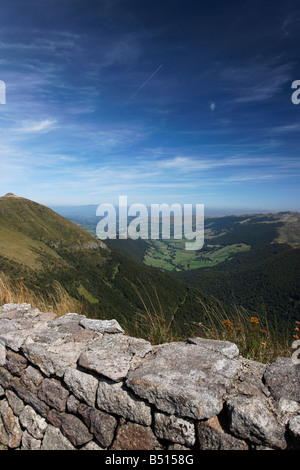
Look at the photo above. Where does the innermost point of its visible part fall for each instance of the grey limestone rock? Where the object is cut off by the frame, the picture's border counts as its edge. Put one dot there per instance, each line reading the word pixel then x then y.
pixel 174 429
pixel 250 418
pixel 102 326
pixel 282 377
pixel 15 402
pixel 24 307
pixel 29 442
pixel 101 424
pixel 53 394
pixel 29 396
pixel 84 386
pixel 185 379
pixel 294 430
pixel 54 358
pixel 15 338
pixel 31 377
pixel 55 440
pixel 66 319
pixel 10 429
pixel 36 425
pixel 15 363
pixel 226 348
pixel 2 354
pixel 74 429
pixel 66 324
pixel 250 380
pixel 112 397
pixel 112 355
pixel 212 436
pixel 7 325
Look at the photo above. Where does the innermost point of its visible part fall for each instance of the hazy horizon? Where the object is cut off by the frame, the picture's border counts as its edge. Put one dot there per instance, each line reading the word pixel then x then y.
pixel 90 209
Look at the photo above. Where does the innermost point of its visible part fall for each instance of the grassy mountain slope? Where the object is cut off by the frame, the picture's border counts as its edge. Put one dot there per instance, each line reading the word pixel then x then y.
pixel 39 248
pixel 31 234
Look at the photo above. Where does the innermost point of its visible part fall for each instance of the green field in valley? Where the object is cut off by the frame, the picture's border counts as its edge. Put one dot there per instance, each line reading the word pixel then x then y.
pixel 171 255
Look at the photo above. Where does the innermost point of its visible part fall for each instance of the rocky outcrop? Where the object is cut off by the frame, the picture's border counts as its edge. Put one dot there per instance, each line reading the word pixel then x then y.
pixel 72 383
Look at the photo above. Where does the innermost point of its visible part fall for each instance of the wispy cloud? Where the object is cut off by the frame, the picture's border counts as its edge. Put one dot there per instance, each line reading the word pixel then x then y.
pixel 256 80
pixel 32 127
pixel 290 25
pixel 187 164
pixel 52 45
pixel 295 127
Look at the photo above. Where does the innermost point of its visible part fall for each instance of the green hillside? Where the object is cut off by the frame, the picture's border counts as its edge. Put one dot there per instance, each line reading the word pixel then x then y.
pixel 32 235
pixel 40 247
pixel 265 281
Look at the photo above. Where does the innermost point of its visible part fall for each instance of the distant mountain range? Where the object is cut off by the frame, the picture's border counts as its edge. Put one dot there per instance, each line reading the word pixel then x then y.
pixel 89 211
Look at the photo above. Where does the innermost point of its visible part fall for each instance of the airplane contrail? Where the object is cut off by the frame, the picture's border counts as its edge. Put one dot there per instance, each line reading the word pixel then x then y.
pixel 144 84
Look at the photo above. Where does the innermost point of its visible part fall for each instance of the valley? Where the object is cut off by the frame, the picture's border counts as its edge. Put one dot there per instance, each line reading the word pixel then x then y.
pixel 250 260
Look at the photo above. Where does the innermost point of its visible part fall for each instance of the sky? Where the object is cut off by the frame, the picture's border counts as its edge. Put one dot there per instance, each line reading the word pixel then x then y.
pixel 169 101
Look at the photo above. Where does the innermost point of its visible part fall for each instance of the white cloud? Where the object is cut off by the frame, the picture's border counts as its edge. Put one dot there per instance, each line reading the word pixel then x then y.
pixel 28 127
pixel 194 164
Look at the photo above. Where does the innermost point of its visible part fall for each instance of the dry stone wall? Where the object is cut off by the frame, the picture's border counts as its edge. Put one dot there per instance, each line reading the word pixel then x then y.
pixel 72 383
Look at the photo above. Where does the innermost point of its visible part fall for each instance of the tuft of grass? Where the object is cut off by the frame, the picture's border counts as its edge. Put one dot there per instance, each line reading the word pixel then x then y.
pixel 152 324
pixel 254 336
pixel 60 302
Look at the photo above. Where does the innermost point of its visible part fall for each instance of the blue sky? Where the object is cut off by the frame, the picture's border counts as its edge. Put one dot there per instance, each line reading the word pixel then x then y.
pixel 166 101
